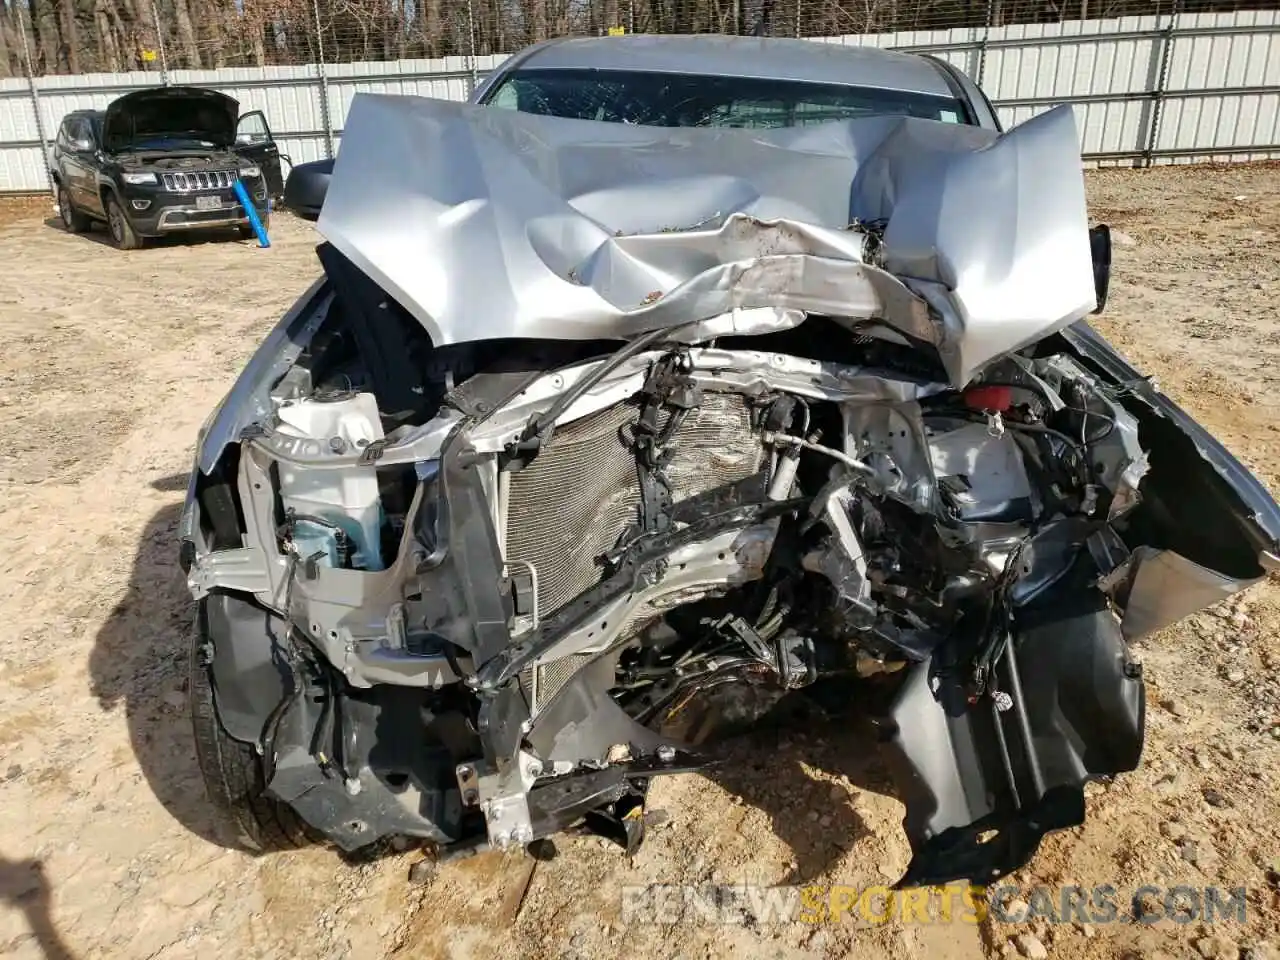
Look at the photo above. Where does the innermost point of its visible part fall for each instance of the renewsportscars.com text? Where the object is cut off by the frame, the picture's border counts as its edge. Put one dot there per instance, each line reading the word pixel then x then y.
pixel 675 904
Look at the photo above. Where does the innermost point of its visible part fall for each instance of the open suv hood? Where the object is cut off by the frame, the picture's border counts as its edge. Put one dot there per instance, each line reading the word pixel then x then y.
pixel 191 113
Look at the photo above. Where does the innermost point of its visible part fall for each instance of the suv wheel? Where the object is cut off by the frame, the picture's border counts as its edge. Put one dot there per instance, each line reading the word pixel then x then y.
pixel 232 770
pixel 72 219
pixel 246 229
pixel 122 231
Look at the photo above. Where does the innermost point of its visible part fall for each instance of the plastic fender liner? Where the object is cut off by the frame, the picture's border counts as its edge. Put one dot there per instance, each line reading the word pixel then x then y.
pixel 245 647
pixel 381 737
pixel 983 786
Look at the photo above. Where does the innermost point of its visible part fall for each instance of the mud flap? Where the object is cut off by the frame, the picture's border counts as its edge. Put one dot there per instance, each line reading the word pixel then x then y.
pixel 982 785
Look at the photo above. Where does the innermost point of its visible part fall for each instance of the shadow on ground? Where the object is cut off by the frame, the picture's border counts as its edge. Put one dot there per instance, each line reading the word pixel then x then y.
pixel 24 885
pixel 140 659
pixel 775 769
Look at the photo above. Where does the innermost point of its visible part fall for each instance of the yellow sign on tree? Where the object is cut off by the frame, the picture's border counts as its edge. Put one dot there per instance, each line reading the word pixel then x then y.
pixel 617 31
pixel 148 55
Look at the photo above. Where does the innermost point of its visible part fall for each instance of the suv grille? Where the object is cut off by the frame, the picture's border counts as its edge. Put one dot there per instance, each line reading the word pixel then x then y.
pixel 203 180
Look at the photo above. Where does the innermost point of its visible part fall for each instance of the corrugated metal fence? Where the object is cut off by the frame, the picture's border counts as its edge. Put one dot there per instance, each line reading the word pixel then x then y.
pixel 1183 88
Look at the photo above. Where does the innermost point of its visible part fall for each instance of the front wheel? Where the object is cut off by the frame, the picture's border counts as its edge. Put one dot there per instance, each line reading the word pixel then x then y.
pixel 122 232
pixel 246 230
pixel 232 770
pixel 72 219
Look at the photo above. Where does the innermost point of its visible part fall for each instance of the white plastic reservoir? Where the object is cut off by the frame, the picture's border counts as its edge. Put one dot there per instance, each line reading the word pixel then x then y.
pixel 346 496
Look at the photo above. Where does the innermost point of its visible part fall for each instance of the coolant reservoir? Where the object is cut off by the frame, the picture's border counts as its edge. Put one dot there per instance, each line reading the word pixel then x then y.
pixel 345 497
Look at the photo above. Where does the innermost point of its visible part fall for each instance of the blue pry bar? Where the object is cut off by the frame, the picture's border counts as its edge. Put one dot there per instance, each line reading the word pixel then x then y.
pixel 249 208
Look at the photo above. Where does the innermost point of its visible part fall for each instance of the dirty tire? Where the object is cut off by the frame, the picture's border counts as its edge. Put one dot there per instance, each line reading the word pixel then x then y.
pixel 122 232
pixel 246 229
pixel 232 770
pixel 72 219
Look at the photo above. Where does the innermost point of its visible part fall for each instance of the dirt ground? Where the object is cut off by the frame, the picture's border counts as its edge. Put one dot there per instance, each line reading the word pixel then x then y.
pixel 109 364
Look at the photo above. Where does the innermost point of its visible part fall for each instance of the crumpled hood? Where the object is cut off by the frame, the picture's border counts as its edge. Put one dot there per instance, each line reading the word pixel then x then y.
pixel 192 112
pixel 486 223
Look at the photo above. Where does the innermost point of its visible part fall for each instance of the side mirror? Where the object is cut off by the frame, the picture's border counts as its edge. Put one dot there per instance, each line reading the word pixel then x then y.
pixel 1100 250
pixel 306 187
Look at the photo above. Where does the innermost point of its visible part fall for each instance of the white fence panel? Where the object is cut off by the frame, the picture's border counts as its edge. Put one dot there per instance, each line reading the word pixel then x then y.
pixel 19 167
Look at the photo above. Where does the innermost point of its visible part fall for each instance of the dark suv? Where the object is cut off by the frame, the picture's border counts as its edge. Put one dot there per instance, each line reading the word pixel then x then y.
pixel 163 160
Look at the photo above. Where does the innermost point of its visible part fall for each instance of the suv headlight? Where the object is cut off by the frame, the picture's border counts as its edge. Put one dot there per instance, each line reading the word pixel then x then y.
pixel 250 172
pixel 139 178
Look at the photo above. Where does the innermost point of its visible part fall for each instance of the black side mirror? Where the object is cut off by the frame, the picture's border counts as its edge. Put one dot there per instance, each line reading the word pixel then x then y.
pixel 306 187
pixel 1100 249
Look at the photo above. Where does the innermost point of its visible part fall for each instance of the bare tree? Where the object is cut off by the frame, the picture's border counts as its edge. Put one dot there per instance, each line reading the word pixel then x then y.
pixel 110 35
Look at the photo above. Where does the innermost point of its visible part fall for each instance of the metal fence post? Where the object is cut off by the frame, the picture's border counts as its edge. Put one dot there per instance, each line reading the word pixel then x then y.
pixel 323 76
pixel 164 61
pixel 1162 80
pixel 982 44
pixel 35 104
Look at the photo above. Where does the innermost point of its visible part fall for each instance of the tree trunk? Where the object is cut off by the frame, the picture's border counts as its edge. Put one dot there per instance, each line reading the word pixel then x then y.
pixel 70 35
pixel 259 47
pixel 44 31
pixel 10 54
pixel 430 26
pixel 108 55
pixel 535 20
pixel 187 46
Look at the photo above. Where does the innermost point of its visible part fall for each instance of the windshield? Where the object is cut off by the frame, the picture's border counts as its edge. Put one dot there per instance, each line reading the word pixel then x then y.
pixel 681 100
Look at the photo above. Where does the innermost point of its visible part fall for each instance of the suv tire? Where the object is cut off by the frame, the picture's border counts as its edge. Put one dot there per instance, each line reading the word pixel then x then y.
pixel 232 770
pixel 122 231
pixel 72 219
pixel 246 230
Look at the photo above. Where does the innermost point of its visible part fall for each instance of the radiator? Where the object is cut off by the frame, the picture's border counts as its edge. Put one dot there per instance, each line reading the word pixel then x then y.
pixel 571 505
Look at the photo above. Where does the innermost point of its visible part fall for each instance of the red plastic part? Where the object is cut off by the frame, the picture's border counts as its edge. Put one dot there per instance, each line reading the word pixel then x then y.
pixel 989 398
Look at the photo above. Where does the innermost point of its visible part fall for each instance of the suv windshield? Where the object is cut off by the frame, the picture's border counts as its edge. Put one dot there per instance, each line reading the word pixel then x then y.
pixel 682 100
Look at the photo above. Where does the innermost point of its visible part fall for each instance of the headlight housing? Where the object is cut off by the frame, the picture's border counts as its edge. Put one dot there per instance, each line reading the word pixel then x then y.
pixel 136 178
pixel 249 173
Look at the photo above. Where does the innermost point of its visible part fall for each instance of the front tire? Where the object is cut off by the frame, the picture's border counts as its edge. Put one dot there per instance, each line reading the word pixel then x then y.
pixel 72 219
pixel 246 229
pixel 122 232
pixel 232 770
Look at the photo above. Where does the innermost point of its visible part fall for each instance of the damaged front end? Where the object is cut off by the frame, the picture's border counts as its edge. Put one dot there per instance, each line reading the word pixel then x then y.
pixel 483 547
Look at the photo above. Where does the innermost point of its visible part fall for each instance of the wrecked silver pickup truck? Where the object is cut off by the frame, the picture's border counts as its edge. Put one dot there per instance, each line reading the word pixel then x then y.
pixel 598 441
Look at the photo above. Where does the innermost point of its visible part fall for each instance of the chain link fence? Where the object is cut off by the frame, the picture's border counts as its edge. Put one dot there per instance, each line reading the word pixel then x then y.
pixel 48 37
